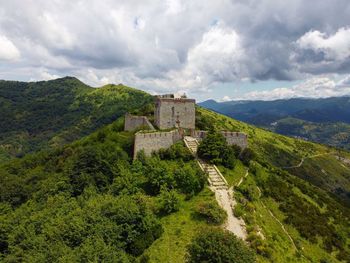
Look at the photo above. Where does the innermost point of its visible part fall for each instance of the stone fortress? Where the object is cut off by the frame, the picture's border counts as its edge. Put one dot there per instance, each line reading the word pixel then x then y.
pixel 174 117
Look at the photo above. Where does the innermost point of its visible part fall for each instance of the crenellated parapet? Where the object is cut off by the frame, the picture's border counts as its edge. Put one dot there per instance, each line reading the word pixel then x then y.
pixel 232 138
pixel 154 141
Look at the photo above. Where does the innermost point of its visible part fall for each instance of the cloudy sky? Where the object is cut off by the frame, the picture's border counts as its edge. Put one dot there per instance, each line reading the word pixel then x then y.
pixel 239 49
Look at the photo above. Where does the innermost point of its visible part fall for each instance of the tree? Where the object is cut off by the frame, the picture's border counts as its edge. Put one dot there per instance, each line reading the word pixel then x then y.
pixel 212 147
pixel 217 245
pixel 215 149
pixel 246 156
pixel 189 179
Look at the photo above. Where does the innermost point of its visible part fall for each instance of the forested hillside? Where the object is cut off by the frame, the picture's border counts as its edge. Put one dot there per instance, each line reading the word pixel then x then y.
pixel 86 201
pixel 38 115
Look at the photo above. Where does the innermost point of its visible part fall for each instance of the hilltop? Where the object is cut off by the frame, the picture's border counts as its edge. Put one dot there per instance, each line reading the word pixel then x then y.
pixel 85 198
pixel 40 115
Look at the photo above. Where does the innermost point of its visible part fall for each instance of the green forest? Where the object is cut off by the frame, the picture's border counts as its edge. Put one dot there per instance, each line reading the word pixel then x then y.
pixel 70 191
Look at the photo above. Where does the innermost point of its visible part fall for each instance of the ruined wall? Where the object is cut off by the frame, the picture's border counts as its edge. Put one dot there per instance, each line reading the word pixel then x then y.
pixel 134 122
pixel 154 141
pixel 237 138
pixel 171 113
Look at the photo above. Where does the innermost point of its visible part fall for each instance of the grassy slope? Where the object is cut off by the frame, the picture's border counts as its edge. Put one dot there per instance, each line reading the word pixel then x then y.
pixel 171 247
pixel 324 171
pixel 272 149
pixel 38 115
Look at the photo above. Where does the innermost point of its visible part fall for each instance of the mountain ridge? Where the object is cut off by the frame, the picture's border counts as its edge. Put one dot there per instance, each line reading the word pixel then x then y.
pixel 53 195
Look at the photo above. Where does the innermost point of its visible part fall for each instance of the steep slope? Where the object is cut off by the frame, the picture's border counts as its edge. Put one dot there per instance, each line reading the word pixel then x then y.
pixel 296 194
pixel 88 200
pixel 38 115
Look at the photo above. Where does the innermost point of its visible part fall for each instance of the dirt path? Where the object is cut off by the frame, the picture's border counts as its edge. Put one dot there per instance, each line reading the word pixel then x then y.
pixel 304 158
pixel 278 221
pixel 223 195
pixel 232 224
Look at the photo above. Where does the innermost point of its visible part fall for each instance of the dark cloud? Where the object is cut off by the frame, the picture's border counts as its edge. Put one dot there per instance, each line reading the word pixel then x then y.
pixel 174 43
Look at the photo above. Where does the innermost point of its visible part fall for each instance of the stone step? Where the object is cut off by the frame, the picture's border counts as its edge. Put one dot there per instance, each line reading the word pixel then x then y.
pixel 218 184
pixel 221 187
pixel 216 180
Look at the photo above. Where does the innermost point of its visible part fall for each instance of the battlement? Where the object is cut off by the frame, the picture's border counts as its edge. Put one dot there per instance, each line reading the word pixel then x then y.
pixel 232 138
pixel 154 141
pixel 172 112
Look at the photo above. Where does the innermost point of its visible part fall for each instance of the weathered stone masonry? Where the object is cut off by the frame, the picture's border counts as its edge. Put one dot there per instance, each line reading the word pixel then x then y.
pixel 174 112
pixel 154 141
pixel 133 122
pixel 232 138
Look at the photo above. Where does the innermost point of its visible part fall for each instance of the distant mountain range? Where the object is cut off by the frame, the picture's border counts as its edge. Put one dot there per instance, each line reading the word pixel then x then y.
pixel 324 120
pixel 70 191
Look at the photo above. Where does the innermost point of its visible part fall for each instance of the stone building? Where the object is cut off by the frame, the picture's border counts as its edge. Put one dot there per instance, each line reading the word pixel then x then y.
pixel 172 111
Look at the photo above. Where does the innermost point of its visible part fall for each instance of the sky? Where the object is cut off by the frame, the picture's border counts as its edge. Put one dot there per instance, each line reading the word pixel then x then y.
pixel 223 50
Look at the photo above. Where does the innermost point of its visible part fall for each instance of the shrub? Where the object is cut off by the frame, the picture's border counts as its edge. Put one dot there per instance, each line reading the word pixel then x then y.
pixel 216 245
pixel 211 212
pixel 214 148
pixel 189 179
pixel 175 152
pixel 246 156
pixel 169 201
pixel 238 210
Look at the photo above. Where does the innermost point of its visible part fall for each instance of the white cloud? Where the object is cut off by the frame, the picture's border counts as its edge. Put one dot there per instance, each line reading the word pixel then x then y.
pixel 336 46
pixel 226 98
pixel 8 51
pixel 166 46
pixel 43 74
pixel 217 57
pixel 318 87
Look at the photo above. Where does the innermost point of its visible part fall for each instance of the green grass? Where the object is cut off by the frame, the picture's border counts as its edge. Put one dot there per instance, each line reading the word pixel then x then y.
pixel 179 229
pixel 233 176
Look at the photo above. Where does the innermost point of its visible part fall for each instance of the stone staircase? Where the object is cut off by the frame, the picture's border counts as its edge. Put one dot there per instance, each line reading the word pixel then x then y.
pixel 215 178
pixel 223 194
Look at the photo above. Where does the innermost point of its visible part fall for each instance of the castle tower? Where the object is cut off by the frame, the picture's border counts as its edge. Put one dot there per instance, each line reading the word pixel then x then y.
pixel 172 111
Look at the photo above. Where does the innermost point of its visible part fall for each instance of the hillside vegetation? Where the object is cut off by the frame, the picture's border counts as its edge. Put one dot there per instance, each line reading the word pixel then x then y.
pixel 39 115
pixel 86 201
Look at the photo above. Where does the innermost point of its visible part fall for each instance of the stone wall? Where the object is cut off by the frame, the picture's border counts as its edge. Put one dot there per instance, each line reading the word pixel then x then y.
pixel 175 112
pixel 154 141
pixel 237 138
pixel 134 122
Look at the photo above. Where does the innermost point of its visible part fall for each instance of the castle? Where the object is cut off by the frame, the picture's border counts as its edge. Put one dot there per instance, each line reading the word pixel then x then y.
pixel 174 116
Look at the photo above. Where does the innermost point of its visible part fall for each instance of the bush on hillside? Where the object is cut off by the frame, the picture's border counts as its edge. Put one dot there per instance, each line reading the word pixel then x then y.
pixel 189 179
pixel 211 212
pixel 169 201
pixel 175 152
pixel 215 245
pixel 214 149
pixel 246 156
